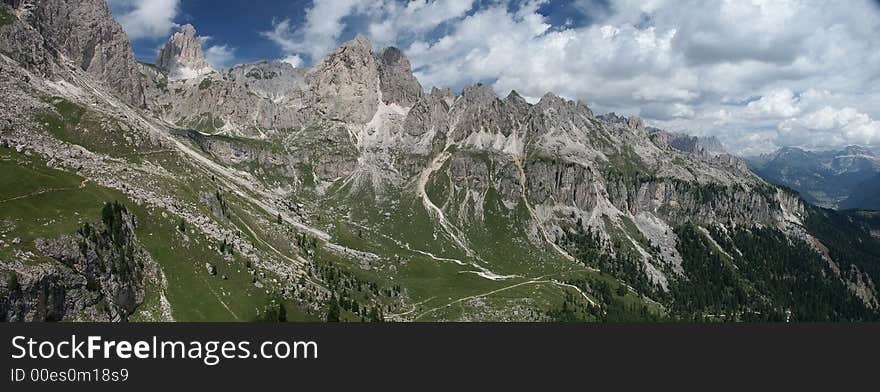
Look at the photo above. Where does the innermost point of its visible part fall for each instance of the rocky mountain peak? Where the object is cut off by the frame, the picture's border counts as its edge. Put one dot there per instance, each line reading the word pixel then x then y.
pixel 396 80
pixel 550 100
pixel 182 56
pixel 829 178
pixel 442 92
pixel 83 33
pixel 562 105
pixel 393 56
pixel 514 97
pixel 790 153
pixel 686 143
pixel 479 93
pixel 514 110
pixel 636 123
pixel 359 42
pixel 584 109
pixel 612 118
pixel 344 85
pixel 353 54
pixel 555 112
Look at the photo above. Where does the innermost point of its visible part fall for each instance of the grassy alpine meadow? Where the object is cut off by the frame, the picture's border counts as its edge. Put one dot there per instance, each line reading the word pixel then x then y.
pixel 40 202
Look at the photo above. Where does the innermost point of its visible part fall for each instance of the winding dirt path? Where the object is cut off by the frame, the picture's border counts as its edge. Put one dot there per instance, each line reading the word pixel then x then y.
pixel 45 191
pixel 541 280
pixel 429 311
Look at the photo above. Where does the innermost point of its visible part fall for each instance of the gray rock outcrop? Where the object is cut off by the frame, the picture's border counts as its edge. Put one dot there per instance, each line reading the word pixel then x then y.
pixel 396 80
pixel 691 144
pixel 264 98
pixel 345 84
pixel 98 274
pixel 251 100
pixel 182 56
pixel 81 32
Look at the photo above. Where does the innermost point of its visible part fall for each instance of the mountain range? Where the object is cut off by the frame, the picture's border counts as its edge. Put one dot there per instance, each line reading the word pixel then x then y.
pixel 345 191
pixel 831 179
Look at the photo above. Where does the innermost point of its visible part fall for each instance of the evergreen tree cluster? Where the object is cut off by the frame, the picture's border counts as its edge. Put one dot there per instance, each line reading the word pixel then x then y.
pixel 764 276
pixel 614 307
pixel 625 264
pixel 848 237
pixel 361 298
pixel 120 258
pixel 757 274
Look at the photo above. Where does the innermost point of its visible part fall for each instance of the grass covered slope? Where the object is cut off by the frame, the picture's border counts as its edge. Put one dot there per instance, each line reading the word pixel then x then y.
pixel 37 202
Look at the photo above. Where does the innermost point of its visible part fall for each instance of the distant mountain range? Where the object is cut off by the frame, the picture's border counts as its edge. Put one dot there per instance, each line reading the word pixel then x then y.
pixel 847 178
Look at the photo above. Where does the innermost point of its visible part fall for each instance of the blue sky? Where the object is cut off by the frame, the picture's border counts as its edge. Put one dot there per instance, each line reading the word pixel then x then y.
pixel 233 23
pixel 237 23
pixel 758 74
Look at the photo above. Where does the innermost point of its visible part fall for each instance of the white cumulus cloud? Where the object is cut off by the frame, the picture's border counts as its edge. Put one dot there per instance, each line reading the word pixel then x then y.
pixel 220 56
pixel 832 126
pixel 293 60
pixel 758 74
pixel 323 26
pixel 776 103
pixel 146 18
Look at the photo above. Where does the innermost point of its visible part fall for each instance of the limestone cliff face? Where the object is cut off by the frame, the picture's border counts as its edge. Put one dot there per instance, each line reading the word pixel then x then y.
pixel 264 98
pixel 396 81
pixel 345 84
pixel 571 168
pixel 82 33
pixel 690 144
pixel 268 99
pixel 430 114
pixel 570 160
pixel 182 56
pixel 23 43
pixel 251 100
pixel 479 113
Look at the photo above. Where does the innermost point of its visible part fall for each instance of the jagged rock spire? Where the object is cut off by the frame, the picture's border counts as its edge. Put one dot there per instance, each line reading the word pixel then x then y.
pixel 396 80
pixel 182 56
